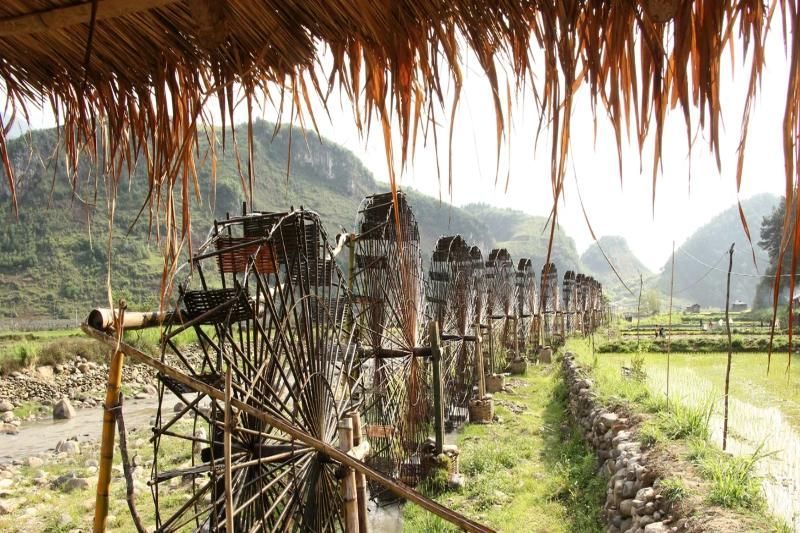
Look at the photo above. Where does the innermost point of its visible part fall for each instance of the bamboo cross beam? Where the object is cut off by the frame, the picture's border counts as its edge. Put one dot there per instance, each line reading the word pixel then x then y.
pixel 395 487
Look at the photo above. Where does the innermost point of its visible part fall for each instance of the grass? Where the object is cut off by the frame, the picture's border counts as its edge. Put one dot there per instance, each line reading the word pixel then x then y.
pixel 520 474
pixel 50 509
pixel 733 481
pixel 672 489
pixel 19 351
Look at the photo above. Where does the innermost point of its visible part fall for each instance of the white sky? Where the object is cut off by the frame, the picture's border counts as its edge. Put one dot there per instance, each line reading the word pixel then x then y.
pixel 614 208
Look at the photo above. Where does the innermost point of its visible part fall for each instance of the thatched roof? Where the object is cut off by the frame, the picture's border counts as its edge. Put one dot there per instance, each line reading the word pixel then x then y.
pixel 144 69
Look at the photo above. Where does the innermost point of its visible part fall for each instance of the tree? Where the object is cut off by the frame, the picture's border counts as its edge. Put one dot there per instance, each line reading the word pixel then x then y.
pixel 771 235
pixel 652 301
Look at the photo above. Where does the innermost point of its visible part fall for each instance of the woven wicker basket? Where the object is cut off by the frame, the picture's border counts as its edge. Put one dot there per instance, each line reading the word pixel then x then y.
pixel 518 367
pixel 481 411
pixel 495 383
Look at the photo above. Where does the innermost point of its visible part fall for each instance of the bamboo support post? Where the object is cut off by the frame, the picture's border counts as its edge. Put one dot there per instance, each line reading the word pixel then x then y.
pixel 126 467
pixel 491 347
pixel 109 424
pixel 287 427
pixel 349 493
pixel 479 363
pixel 361 479
pixel 227 447
pixel 438 393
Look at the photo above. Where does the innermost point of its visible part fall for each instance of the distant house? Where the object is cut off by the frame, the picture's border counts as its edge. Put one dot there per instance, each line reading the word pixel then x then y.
pixel 694 308
pixel 738 305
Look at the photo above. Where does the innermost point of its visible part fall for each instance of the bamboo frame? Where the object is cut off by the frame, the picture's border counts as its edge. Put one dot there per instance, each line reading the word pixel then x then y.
pixel 109 424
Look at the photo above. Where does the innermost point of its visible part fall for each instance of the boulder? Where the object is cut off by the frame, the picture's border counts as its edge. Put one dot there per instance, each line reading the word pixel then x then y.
pixel 75 483
pixel 8 506
pixel 656 527
pixel 150 390
pixel 6 406
pixel 8 417
pixel 63 409
pixel 9 429
pixel 69 447
pixel 46 372
pixel 179 406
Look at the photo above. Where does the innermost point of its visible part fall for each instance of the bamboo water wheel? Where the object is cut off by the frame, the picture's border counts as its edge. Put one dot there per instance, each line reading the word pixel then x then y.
pixel 265 305
pixel 451 302
pixel 500 310
pixel 526 303
pixel 479 292
pixel 549 302
pixel 389 293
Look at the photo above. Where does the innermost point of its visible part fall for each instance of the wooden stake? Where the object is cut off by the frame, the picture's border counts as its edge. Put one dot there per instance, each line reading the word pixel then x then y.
pixel 280 424
pixel 228 450
pixel 669 325
pixel 361 479
pixel 438 391
pixel 730 349
pixel 349 494
pixel 126 467
pixel 109 423
pixel 638 312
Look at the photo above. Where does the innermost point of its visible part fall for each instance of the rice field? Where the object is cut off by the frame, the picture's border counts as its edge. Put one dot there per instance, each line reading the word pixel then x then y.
pixel 764 410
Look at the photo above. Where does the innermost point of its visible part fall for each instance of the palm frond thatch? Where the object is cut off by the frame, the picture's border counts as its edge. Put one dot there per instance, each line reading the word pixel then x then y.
pixel 132 80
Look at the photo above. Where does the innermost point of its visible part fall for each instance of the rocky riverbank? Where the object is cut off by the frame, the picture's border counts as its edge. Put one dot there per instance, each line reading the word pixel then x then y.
pixel 40 392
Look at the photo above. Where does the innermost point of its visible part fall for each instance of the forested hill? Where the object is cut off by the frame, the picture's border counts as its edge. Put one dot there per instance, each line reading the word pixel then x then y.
pixel 53 256
pixel 697 281
pixel 624 260
pixel 527 236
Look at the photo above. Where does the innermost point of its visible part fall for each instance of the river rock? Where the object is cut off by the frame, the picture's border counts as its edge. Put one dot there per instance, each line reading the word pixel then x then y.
pixel 83 368
pixel 9 429
pixel 656 527
pixel 8 506
pixel 63 409
pixel 70 447
pixel 179 406
pixel 34 462
pixel 46 372
pixel 75 483
pixel 8 417
pixel 150 390
pixel 6 406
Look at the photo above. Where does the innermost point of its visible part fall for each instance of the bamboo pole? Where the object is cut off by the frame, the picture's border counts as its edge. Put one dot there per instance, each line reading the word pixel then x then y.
pixel 730 349
pixel 349 493
pixel 278 423
pixel 109 424
pixel 669 324
pixel 228 450
pixel 361 479
pixel 438 393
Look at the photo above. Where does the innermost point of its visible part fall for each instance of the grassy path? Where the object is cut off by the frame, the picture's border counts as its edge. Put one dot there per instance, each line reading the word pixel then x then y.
pixel 520 474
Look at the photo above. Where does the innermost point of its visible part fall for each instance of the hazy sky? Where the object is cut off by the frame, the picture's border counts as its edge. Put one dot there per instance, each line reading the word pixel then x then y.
pixel 615 208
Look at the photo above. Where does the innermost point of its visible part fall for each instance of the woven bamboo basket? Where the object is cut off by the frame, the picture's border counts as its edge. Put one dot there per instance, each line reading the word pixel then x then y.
pixel 495 383
pixel 481 411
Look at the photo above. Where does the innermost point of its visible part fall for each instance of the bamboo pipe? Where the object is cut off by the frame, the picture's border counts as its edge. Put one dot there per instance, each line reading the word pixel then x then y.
pixel 361 480
pixel 396 487
pixel 103 319
pixel 349 494
pixel 109 422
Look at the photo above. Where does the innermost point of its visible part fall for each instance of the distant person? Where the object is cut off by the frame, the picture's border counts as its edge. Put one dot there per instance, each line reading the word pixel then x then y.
pixel 661 332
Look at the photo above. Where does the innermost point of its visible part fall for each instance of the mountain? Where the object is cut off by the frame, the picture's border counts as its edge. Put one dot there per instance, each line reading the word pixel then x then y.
pixel 525 235
pixel 628 266
pixel 53 255
pixel 701 262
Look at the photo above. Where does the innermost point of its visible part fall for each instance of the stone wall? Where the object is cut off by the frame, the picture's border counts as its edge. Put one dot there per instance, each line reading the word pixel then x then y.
pixel 632 504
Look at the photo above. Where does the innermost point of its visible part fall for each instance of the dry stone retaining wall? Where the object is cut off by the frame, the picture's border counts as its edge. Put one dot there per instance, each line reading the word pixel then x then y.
pixel 632 504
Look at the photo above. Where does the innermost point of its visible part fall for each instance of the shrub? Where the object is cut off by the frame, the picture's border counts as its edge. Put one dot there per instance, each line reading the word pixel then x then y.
pixel 672 489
